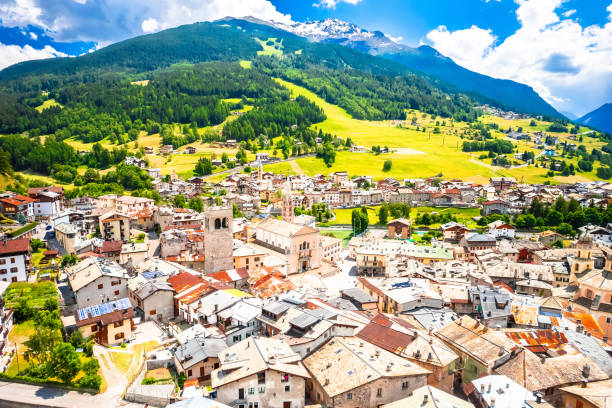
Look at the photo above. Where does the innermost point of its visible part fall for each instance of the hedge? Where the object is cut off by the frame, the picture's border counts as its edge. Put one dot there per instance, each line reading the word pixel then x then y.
pixel 22 230
pixel 23 379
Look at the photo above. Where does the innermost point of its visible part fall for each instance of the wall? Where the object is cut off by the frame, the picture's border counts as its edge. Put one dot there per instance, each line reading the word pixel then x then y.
pixel 90 295
pixel 162 302
pixel 274 394
pixel 20 264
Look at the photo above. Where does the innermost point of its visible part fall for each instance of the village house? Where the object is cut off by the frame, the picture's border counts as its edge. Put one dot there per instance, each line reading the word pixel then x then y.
pixel 430 397
pixel 135 161
pixel 494 207
pixel 331 248
pixel 109 324
pixel 500 391
pixel 453 231
pixel 15 206
pixel 479 348
pixel 399 337
pixel 500 229
pixel 96 281
pixel 590 395
pixel 115 227
pixel 349 372
pixel 239 321
pixel 260 372
pixel 15 259
pixel 154 301
pixel 66 235
pixel 111 250
pixel 6 318
pixel 198 357
pixel 49 200
pixel 247 257
pixel 399 228
pixel 133 253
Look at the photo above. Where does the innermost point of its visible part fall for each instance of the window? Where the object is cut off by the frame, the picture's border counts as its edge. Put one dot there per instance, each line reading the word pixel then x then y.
pixel 12 260
pixel 349 396
pixel 119 336
pixel 189 372
pixel 94 328
pixel 287 388
pixel 113 283
pixel 261 378
pixel 153 312
pixel 609 320
pixel 116 292
pixel 379 392
pixel 251 391
pixel 262 390
pixel 13 270
pixel 100 286
pixel 284 377
pixel 2 271
pixel 216 366
pixel 118 324
pixel 405 385
pixel 2 261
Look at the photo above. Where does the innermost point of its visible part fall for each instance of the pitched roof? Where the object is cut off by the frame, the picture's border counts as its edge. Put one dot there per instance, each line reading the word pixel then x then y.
pixel 436 398
pixel 535 373
pixel 111 246
pixel 197 349
pixel 345 363
pixel 152 287
pixel 597 393
pixel 284 228
pixel 475 339
pixel 13 246
pixel 254 355
pixel 91 269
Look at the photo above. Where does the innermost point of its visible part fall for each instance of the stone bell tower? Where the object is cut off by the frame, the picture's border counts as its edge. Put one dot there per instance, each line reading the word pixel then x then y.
pixel 584 259
pixel 287 210
pixel 218 244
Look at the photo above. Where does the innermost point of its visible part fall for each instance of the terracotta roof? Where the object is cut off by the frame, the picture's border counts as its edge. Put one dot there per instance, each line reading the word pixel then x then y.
pixel 184 280
pixel 18 200
pixel 111 246
pixel 14 246
pixel 38 190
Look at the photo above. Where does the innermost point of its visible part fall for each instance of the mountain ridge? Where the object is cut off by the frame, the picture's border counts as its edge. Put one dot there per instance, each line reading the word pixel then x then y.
pixel 508 93
pixel 600 118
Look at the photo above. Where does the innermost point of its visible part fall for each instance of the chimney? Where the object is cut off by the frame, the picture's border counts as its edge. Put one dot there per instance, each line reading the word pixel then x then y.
pixel 538 398
pixel 482 388
pixel 489 388
pixel 586 371
pixel 425 398
pixel 542 360
pixel 492 402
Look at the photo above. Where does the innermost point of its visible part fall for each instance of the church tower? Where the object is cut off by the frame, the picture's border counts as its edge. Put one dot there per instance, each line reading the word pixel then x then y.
pixel 584 258
pixel 287 211
pixel 218 243
pixel 259 170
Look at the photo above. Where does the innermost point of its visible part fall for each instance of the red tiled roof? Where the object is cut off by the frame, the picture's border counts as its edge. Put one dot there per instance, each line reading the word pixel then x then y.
pixel 111 246
pixel 184 280
pixel 18 200
pixel 14 246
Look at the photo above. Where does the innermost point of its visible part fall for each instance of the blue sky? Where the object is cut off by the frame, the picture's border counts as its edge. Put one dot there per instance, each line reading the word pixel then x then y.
pixel 561 48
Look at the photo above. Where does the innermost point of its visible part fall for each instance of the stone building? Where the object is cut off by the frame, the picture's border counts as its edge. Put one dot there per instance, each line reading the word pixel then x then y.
pixel 218 244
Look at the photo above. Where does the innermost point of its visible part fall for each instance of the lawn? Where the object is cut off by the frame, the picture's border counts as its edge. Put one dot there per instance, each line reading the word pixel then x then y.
pixel 245 64
pixel 47 104
pixel 343 215
pixel 344 235
pixel 420 154
pixel 35 293
pixel 274 50
pixel 121 360
pixel 463 215
pixel 279 168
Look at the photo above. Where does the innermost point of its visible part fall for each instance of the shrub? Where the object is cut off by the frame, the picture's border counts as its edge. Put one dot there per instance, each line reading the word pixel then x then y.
pixel 148 381
pixel 387 165
pixel 92 381
pixel 91 367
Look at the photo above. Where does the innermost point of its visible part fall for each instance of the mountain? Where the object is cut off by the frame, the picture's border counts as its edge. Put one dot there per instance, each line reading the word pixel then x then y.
pixel 569 115
pixel 600 118
pixel 507 93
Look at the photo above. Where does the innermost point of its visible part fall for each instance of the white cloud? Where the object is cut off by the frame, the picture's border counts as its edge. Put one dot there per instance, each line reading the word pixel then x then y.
pixel 150 25
pixel 569 13
pixel 107 21
pixel 331 4
pixel 567 64
pixel 33 35
pixel 397 39
pixel 12 54
pixel 20 13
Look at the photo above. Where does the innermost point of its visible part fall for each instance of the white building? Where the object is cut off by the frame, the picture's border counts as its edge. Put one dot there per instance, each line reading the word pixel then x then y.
pixel 15 260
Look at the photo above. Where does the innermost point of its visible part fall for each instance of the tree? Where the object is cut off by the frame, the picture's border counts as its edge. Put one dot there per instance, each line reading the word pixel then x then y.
pixel 46 337
pixel 356 222
pixel 69 260
pixel 387 165
pixel 195 203
pixel 525 221
pixel 566 229
pixel 179 201
pixel 383 214
pixel 554 218
pixel 236 212
pixel 204 167
pixel 36 244
pixel 77 339
pixel 64 362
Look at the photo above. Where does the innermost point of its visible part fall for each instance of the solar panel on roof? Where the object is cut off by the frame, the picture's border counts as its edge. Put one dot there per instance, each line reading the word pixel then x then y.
pixel 82 314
